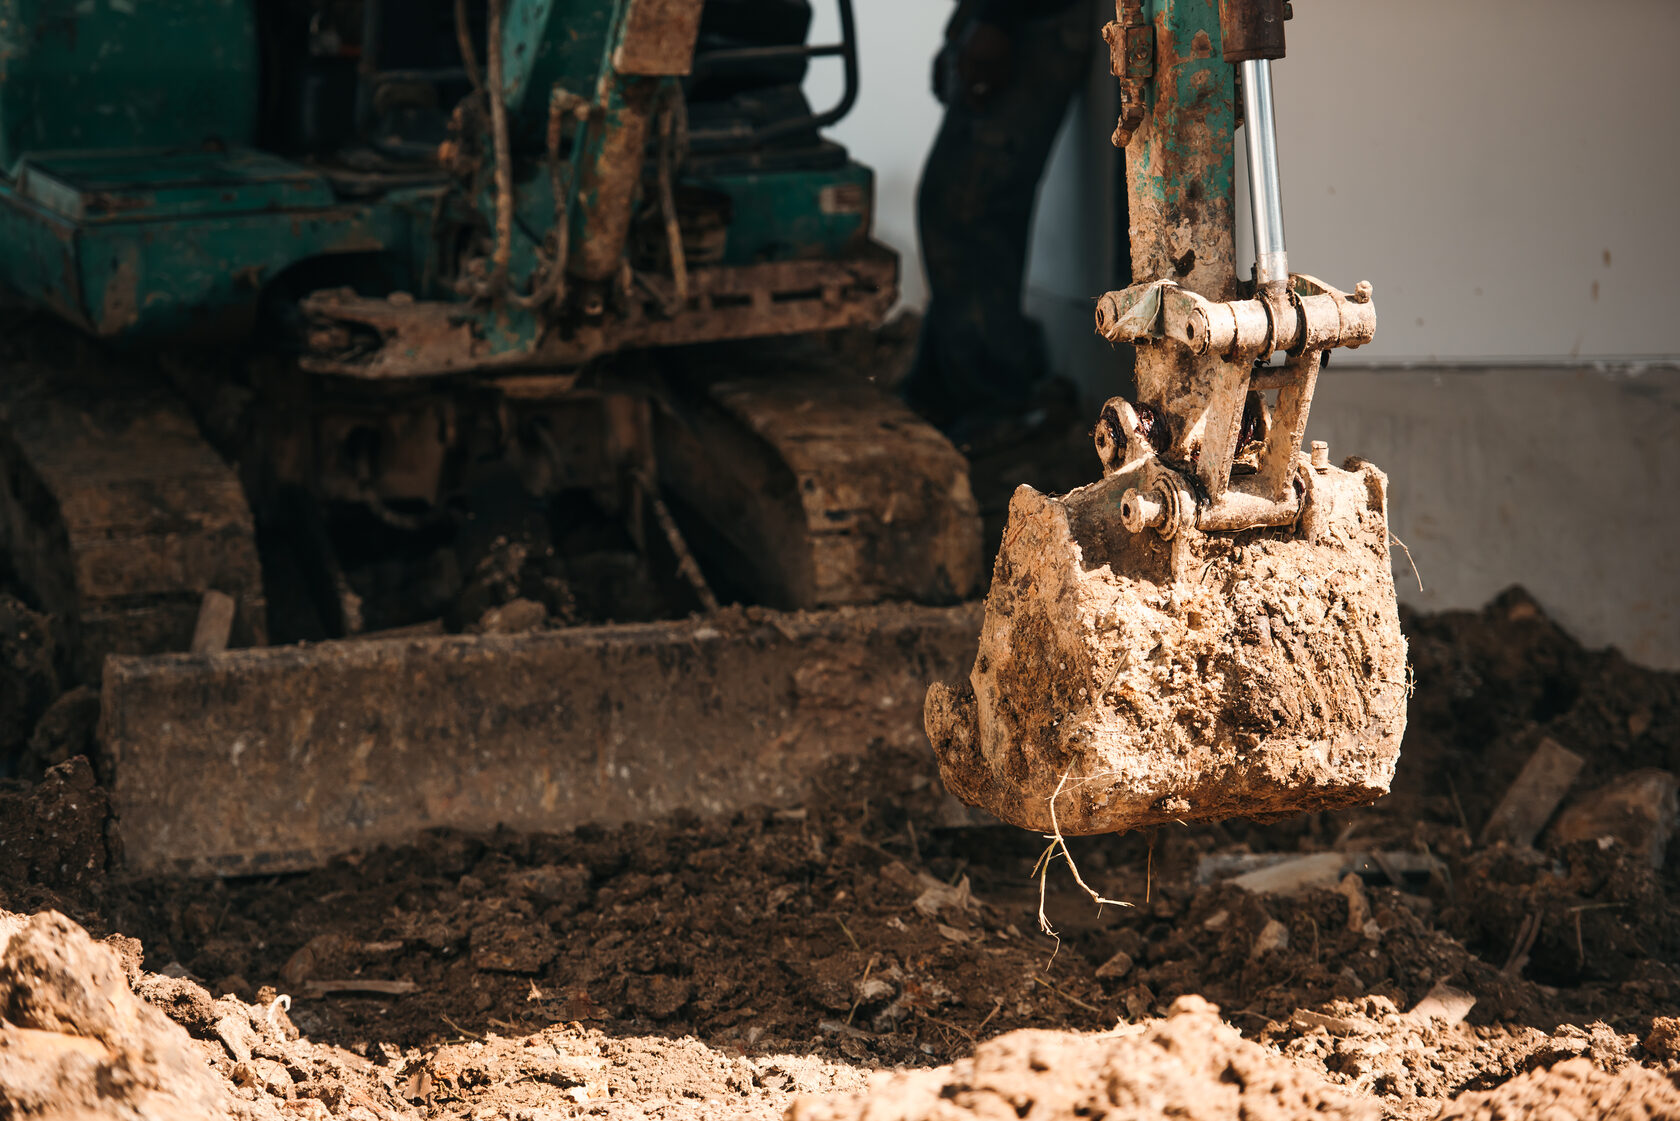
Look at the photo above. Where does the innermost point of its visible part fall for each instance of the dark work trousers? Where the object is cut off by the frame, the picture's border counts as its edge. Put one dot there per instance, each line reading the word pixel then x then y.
pixel 979 355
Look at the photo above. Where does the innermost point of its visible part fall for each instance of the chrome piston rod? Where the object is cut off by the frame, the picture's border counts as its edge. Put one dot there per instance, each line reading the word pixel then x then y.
pixel 1265 190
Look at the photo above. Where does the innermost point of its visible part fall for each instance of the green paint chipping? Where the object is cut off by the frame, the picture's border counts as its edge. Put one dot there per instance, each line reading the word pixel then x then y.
pixel 1192 148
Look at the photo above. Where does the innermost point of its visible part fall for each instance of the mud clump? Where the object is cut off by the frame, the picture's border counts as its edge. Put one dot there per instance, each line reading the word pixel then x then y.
pixel 53 834
pixel 1189 1065
pixel 1573 1088
pixel 75 1042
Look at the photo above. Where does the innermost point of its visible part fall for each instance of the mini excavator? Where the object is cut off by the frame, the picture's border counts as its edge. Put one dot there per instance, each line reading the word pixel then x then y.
pixel 413 415
pixel 1211 629
pixel 401 388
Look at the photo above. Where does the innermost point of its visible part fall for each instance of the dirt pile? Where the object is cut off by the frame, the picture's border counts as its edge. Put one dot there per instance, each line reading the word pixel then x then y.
pixel 1574 1088
pixel 686 968
pixel 1190 1065
pixel 76 1042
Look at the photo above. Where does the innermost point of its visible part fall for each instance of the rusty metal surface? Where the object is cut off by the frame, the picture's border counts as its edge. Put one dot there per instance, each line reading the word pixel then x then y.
pixel 658 37
pixel 267 760
pixel 826 488
pixel 1251 29
pixel 1131 49
pixel 430 338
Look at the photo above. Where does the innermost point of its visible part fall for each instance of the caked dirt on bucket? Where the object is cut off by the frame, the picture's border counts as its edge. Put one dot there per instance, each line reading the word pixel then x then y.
pixel 1377 962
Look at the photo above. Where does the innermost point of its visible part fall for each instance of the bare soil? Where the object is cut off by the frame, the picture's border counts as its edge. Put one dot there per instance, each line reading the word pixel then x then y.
pixel 858 946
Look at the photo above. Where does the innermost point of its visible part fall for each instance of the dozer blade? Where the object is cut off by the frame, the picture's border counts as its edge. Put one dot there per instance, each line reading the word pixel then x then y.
pixel 267 760
pixel 1116 687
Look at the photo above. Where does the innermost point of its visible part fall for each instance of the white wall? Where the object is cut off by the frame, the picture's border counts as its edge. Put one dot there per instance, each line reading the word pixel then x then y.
pixel 896 115
pixel 1505 173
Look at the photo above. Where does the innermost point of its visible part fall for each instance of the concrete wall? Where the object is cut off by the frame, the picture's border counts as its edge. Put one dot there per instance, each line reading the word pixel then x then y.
pixel 1566 481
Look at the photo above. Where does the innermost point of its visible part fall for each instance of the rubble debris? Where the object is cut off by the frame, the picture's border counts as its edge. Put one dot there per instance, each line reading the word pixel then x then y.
pixel 1532 798
pixel 1638 809
pixel 1318 869
pixel 1282 873
pixel 772 919
pixel 1273 936
pixel 1444 1003
pixel 1188 1065
pixel 1573 1088
pixel 1662 1042
pixel 75 1042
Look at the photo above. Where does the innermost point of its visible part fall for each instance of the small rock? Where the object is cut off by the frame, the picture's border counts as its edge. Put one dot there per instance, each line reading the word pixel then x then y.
pixel 512 617
pixel 1663 1040
pixel 234 1030
pixel 1444 1003
pixel 186 1002
pixel 1217 921
pixel 1638 809
pixel 1359 908
pixel 1307 1020
pixel 264 1074
pixel 1117 966
pixel 873 991
pixel 1318 869
pixel 1273 936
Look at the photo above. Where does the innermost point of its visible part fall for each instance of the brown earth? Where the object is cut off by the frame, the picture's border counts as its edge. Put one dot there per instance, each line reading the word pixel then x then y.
pixel 688 968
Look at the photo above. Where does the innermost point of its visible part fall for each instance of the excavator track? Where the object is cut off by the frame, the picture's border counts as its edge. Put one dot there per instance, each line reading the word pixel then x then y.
pixel 115 514
pixel 855 520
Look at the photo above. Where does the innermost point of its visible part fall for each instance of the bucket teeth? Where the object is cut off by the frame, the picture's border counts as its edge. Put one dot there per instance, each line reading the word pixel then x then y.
pixel 1124 681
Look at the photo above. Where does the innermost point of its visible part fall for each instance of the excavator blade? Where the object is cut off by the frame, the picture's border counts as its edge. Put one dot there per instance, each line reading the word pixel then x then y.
pixel 1125 682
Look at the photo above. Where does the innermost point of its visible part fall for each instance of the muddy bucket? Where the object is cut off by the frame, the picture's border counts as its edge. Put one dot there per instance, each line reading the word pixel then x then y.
pixel 1126 680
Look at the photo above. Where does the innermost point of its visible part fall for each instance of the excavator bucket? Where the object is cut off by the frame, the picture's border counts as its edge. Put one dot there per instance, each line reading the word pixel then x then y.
pixel 1123 681
pixel 1211 630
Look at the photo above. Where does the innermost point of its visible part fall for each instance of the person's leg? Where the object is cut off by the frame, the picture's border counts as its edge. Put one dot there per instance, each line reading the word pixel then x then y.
pixel 978 352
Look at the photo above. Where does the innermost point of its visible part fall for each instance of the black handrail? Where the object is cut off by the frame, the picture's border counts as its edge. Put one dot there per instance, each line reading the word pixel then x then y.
pixel 845 49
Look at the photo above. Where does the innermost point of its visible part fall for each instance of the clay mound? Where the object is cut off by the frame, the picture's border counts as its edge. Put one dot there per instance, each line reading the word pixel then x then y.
pixel 76 1043
pixel 1574 1088
pixel 1190 1066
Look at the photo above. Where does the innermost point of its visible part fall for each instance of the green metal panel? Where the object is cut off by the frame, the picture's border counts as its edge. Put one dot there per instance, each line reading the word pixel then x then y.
pixel 78 74
pixel 1198 128
pixel 554 42
pixel 113 253
pixel 127 186
pixel 779 216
